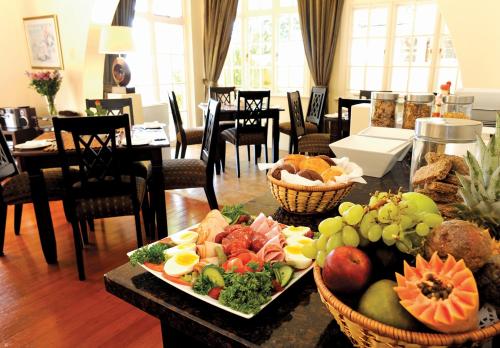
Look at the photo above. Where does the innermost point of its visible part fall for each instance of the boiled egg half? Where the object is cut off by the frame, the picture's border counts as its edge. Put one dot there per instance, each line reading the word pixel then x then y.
pixel 189 247
pixel 294 257
pixel 300 240
pixel 181 263
pixel 295 231
pixel 184 237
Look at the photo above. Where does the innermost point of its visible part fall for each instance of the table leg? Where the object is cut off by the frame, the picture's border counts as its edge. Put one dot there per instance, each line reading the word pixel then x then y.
pixel 43 217
pixel 276 135
pixel 158 194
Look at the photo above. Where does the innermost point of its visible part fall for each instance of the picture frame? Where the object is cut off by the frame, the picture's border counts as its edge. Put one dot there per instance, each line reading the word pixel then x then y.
pixel 43 41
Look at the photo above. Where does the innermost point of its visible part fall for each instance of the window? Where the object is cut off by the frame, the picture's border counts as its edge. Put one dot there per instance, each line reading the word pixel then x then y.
pixel 266 50
pixel 158 65
pixel 401 46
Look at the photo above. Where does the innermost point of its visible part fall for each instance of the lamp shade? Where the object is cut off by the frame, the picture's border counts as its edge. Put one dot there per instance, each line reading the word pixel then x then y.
pixel 116 40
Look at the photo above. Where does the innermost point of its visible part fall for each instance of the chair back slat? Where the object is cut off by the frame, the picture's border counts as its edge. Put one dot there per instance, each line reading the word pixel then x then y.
pixel 114 107
pixel 222 94
pixel 8 166
pixel 296 115
pixel 209 143
pixel 251 106
pixel 316 107
pixel 100 165
pixel 176 115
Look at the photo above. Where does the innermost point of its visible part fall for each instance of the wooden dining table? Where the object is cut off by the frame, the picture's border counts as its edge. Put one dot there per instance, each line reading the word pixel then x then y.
pixel 229 112
pixel 35 160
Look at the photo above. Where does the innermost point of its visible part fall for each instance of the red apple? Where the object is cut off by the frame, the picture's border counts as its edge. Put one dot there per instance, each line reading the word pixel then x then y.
pixel 346 269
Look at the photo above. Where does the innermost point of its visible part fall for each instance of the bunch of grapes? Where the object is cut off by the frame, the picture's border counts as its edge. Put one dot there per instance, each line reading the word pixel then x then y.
pixel 387 217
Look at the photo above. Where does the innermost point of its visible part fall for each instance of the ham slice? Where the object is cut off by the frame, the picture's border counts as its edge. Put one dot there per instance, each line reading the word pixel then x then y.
pixel 272 251
pixel 274 231
pixel 259 220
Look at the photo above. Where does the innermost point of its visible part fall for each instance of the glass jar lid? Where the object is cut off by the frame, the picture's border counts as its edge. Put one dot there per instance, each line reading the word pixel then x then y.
pixel 458 99
pixel 385 96
pixel 419 98
pixel 448 129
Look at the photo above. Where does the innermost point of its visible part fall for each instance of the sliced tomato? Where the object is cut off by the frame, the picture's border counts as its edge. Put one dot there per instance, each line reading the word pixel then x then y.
pixel 175 279
pixel 215 292
pixel 154 266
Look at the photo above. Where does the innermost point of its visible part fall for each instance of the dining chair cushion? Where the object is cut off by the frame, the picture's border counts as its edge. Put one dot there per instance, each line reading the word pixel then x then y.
pixel 286 128
pixel 193 135
pixel 184 173
pixel 315 143
pixel 104 207
pixel 258 136
pixel 17 189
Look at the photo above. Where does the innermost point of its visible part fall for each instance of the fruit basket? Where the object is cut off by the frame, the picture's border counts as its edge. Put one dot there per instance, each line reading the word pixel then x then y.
pixel 301 199
pixel 366 332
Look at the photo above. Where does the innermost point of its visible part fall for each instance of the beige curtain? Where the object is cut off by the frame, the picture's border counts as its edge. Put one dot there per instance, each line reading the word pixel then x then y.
pixel 320 23
pixel 219 20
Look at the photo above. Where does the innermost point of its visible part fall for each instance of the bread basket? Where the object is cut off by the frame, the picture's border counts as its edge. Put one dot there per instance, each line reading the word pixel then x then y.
pixel 300 199
pixel 366 332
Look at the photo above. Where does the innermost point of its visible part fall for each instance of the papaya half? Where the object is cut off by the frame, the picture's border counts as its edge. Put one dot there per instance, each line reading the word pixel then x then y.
pixel 441 294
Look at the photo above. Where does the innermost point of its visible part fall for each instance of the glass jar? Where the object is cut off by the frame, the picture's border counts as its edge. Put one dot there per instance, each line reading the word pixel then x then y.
pixel 457 106
pixel 416 106
pixel 383 109
pixel 436 138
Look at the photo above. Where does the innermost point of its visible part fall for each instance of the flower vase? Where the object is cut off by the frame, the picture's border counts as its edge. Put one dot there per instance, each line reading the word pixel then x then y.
pixel 51 107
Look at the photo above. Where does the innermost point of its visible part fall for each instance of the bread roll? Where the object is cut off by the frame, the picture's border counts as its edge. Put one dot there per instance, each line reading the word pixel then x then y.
pixel 310 174
pixel 294 159
pixel 326 159
pixel 290 168
pixel 314 163
pixel 331 173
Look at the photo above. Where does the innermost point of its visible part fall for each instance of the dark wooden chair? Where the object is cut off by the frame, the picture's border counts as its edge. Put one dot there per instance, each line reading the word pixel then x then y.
pixel 365 94
pixel 222 94
pixel 189 173
pixel 15 188
pixel 315 143
pixel 250 127
pixel 343 126
pixel 314 116
pixel 184 136
pixel 104 188
pixel 114 107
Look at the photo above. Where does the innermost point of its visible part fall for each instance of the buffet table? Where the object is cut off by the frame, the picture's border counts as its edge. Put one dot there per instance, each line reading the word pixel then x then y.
pixel 297 318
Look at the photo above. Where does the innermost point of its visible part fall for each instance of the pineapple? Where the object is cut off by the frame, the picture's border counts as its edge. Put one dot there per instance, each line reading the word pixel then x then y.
pixel 481 190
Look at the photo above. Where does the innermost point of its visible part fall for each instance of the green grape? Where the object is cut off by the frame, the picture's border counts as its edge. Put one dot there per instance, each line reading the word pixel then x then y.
pixel 336 240
pixel 309 251
pixel 422 229
pixel 406 222
pixel 366 222
pixel 320 258
pixel 393 210
pixel 331 225
pixel 374 233
pixel 383 215
pixel 404 248
pixel 321 242
pixel 350 236
pixel 344 206
pixel 354 214
pixel 373 213
pixel 389 234
pixel 433 220
pixel 410 207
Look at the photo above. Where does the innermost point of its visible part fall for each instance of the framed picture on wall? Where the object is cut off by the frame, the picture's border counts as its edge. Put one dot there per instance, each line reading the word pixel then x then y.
pixel 44 44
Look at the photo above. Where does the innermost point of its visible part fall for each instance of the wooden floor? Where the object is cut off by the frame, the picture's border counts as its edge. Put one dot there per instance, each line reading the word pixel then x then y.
pixel 47 306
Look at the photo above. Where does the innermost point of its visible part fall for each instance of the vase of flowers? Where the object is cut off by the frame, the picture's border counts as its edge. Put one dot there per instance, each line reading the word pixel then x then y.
pixel 46 83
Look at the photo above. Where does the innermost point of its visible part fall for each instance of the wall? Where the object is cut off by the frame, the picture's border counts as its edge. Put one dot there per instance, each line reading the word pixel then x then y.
pixel 82 74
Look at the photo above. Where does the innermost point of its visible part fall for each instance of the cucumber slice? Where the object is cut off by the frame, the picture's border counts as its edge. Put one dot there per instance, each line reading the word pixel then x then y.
pixel 285 275
pixel 220 254
pixel 214 275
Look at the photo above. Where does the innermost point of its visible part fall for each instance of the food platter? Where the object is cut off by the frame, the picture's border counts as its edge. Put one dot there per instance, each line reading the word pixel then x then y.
pixel 188 290
pixel 159 271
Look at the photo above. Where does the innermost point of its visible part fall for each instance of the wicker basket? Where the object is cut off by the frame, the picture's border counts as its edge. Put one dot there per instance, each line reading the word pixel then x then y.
pixel 300 199
pixel 366 332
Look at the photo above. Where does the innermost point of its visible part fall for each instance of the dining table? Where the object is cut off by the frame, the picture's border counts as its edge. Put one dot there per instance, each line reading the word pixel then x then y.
pixel 297 318
pixel 228 112
pixel 34 160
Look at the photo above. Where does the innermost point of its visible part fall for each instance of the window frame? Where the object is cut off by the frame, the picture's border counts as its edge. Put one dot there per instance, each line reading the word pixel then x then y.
pixel 275 11
pixel 152 19
pixel 388 66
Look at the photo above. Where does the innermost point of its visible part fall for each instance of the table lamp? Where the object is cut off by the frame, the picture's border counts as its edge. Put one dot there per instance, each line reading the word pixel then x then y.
pixel 118 40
